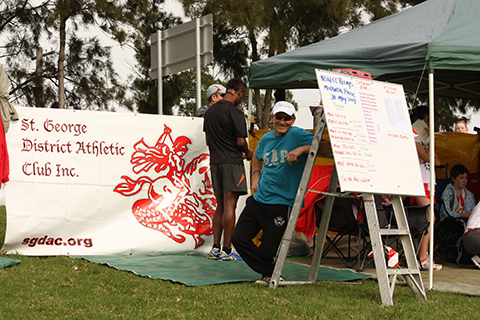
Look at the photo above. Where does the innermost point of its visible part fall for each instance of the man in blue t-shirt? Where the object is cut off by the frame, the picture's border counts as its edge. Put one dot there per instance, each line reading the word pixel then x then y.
pixel 282 152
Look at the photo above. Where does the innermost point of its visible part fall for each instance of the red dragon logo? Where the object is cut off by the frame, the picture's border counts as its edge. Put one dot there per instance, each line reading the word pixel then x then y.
pixel 181 200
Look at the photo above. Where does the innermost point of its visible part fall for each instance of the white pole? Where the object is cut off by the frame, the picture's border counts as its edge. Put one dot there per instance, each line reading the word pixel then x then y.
pixel 160 73
pixel 197 60
pixel 432 172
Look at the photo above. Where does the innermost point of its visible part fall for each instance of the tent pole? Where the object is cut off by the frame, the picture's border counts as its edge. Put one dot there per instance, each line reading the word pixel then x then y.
pixel 250 97
pixel 432 172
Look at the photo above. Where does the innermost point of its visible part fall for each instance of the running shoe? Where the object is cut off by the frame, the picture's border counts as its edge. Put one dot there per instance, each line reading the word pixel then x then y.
pixel 476 260
pixel 265 280
pixel 214 254
pixel 425 265
pixel 229 257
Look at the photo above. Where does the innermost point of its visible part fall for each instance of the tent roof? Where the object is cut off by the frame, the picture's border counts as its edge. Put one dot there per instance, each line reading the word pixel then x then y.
pixel 442 32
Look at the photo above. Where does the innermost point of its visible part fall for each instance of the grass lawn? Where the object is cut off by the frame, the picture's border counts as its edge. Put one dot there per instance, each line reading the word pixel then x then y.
pixel 65 288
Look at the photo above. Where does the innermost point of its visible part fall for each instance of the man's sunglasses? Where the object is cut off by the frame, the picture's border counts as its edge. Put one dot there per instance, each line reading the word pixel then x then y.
pixel 285 117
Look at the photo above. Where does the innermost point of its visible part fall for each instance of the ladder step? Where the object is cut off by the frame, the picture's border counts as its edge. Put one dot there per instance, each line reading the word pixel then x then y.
pixel 402 271
pixel 294 283
pixel 394 232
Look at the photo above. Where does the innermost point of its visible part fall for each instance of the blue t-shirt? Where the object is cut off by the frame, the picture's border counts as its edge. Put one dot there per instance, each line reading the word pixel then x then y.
pixel 278 182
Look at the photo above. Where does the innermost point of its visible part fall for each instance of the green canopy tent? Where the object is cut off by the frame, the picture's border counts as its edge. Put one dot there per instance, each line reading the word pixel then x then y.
pixel 438 39
pixel 438 34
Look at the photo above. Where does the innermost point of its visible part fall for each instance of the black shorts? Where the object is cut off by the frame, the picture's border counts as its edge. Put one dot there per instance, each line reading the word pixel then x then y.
pixel 228 178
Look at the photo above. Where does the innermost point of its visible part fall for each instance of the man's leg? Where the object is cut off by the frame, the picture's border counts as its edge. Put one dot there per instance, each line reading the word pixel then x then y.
pixel 245 231
pixel 274 224
pixel 272 219
pixel 229 206
pixel 234 185
pixel 218 219
pixel 217 182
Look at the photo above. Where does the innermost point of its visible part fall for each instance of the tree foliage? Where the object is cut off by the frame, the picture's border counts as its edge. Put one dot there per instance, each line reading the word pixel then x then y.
pixel 271 27
pixel 244 31
pixel 447 110
pixel 79 73
pixel 144 18
pixel 179 90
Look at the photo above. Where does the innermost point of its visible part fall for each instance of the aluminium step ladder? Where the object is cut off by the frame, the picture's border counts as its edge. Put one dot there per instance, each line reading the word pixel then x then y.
pixel 387 277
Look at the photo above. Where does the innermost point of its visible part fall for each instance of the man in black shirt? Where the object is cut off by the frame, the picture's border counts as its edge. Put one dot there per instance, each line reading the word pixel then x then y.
pixel 225 133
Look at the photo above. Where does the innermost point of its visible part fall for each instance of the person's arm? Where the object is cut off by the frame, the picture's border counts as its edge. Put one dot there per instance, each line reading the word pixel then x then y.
pixel 465 214
pixel 243 146
pixel 437 159
pixel 448 196
pixel 295 153
pixel 256 169
pixel 206 138
pixel 324 148
pixel 469 204
pixel 425 154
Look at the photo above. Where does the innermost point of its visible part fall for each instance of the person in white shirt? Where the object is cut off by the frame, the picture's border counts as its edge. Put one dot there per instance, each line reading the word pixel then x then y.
pixel 471 238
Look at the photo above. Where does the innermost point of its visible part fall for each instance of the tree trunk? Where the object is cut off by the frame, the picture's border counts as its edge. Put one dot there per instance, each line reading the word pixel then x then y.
pixel 258 106
pixel 267 107
pixel 263 117
pixel 38 90
pixel 61 63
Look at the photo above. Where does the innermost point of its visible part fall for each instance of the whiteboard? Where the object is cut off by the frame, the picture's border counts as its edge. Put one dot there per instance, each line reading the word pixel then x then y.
pixel 371 135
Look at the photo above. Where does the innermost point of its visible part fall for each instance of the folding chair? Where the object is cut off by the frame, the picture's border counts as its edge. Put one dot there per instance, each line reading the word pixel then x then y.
pixel 417 223
pixel 440 186
pixel 447 233
pixel 449 230
pixel 345 224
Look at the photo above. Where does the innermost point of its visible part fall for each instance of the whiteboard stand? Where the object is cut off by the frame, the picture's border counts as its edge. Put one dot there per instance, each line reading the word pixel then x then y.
pixel 387 277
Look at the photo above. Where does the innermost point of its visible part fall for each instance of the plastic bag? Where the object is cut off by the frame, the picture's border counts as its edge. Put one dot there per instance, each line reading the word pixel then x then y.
pixel 298 247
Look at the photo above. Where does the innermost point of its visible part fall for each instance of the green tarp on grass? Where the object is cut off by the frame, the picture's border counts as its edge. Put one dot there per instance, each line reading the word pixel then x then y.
pixel 196 270
pixel 6 262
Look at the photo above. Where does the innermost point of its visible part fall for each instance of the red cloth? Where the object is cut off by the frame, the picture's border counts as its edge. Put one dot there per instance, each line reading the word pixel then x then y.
pixel 4 162
pixel 319 181
pixel 473 185
pixel 413 200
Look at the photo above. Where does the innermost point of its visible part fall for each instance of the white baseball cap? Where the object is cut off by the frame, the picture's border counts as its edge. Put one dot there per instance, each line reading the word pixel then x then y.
pixel 284 106
pixel 215 89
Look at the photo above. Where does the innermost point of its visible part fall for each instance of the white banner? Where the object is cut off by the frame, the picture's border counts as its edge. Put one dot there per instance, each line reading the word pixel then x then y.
pixel 101 183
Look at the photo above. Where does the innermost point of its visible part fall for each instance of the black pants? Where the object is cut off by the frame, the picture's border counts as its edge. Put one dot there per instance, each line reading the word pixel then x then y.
pixel 256 216
pixel 471 241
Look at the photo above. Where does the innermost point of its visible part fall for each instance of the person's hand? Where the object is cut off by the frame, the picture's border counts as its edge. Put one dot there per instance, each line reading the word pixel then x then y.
pixel 465 214
pixel 293 155
pixel 249 155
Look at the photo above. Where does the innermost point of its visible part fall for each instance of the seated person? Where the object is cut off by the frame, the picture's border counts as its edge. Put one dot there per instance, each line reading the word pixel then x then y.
pixel 471 239
pixel 461 126
pixel 458 202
